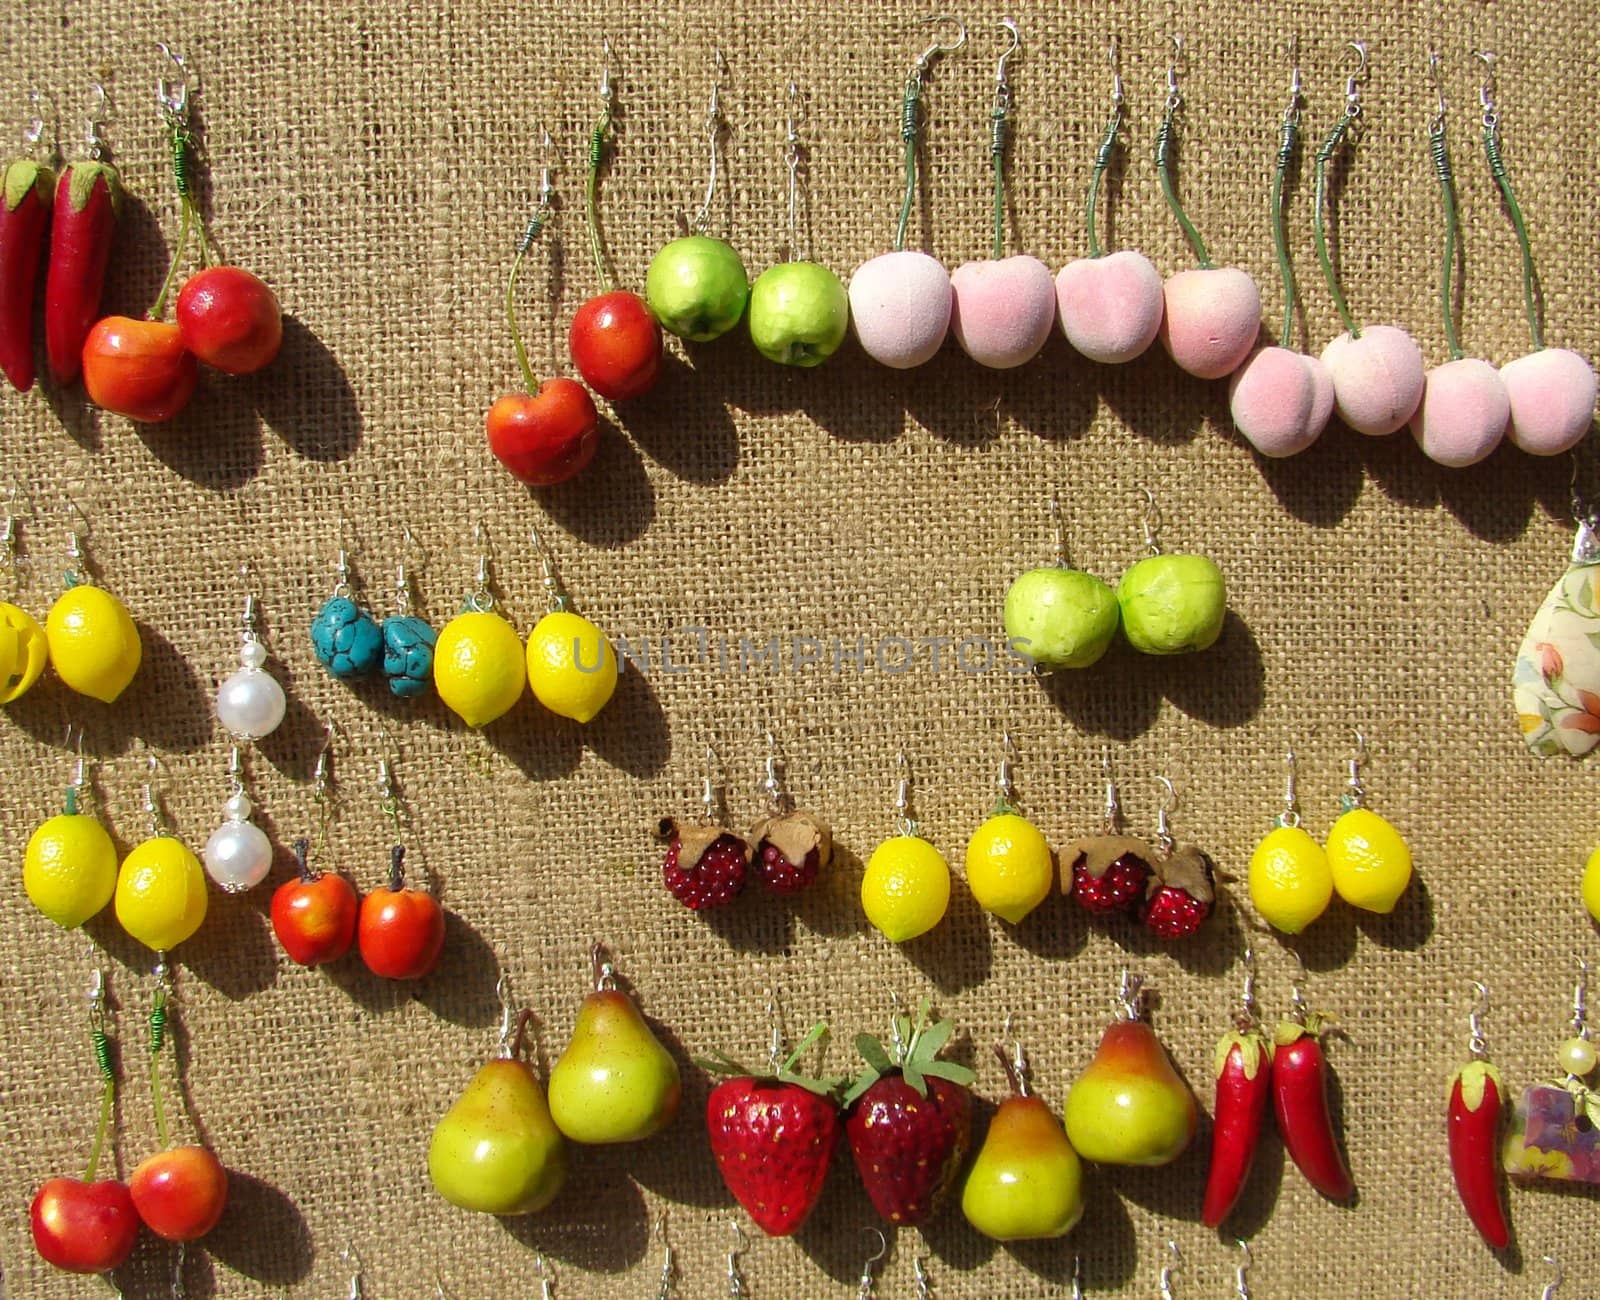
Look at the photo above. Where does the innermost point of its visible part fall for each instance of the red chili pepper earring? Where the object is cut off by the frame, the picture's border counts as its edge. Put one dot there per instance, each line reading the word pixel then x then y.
pixel 88 202
pixel 1555 1132
pixel 26 185
pixel 1300 1076
pixel 1472 1126
pixel 1244 1081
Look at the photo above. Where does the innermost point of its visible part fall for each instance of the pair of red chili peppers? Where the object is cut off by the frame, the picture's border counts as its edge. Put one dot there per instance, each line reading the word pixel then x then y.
pixel 87 198
pixel 1292 1069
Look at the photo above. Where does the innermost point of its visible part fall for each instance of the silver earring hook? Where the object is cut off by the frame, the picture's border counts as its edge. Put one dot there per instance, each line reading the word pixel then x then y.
pixel 1130 995
pixel 905 823
pixel 1355 791
pixel 669 1261
pixel 92 140
pixel 1487 89
pixel 608 89
pixel 1169 805
pixel 1059 529
pixel 352 1258
pixel 793 159
pixel 939 47
pixel 1114 58
pixel 1352 83
pixel 717 124
pixel 1246 1018
pixel 1551 1286
pixel 1290 816
pixel 1580 1001
pixel 174 95
pixel 870 1267
pixel 741 1244
pixel 1477 1044
pixel 919 1271
pixel 1240 1285
pixel 549 574
pixel 1169 1269
pixel 1009 26
pixel 1174 68
pixel 1299 1008
pixel 1152 522
pixel 546 1277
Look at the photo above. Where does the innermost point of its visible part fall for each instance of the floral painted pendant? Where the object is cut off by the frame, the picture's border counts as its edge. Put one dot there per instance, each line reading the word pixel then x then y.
pixel 1555 1133
pixel 1556 683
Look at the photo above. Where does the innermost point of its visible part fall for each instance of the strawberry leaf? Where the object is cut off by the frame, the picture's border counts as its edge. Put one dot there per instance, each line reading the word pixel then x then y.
pixel 933 1038
pixel 873 1054
pixel 953 1071
pixel 721 1063
pixel 912 1075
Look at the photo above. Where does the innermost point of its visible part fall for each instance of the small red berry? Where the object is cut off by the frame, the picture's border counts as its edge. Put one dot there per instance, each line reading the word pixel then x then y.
pixel 1109 872
pixel 705 866
pixel 1179 895
pixel 791 849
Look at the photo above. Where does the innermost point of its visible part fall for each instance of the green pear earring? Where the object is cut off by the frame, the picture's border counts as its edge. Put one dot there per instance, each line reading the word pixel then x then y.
pixel 799 309
pixel 1170 604
pixel 1552 390
pixel 1058 616
pixel 696 286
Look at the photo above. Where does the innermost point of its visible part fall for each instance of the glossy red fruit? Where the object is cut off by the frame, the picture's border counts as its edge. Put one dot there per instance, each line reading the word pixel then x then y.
pixel 773 1143
pixel 705 866
pixel 909 1147
pixel 230 320
pixel 548 438
pixel 314 915
pixel 138 368
pixel 401 930
pixel 84 1227
pixel 616 345
pixel 180 1194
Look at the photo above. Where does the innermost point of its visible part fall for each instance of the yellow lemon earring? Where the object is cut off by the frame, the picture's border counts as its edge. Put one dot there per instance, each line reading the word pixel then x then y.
pixel 1010 868
pixel 93 641
pixel 69 868
pixel 1370 861
pixel 23 654
pixel 161 888
pixel 905 889
pixel 477 661
pixel 571 665
pixel 1291 883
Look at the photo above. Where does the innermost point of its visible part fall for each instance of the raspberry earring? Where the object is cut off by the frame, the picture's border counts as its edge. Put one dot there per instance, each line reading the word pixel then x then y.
pixel 238 854
pixel 1182 885
pixel 94 643
pixel 250 704
pixel 706 864
pixel 1552 390
pixel 1554 1126
pixel 1002 310
pixel 1107 872
pixel 1110 304
pixel 900 302
pixel 344 637
pixel 792 847
pixel 409 640
pixel 696 287
pixel 23 650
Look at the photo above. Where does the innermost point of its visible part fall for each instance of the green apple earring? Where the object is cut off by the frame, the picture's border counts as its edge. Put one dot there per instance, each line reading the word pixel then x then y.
pixel 1002 310
pixel 1059 616
pixel 799 310
pixel 696 286
pixel 1552 390
pixel 1171 604
pixel 900 302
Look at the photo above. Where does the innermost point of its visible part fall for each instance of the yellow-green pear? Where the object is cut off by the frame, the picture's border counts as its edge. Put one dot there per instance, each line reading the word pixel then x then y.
pixel 1027 1182
pixel 497 1150
pixel 1130 1107
pixel 615 1082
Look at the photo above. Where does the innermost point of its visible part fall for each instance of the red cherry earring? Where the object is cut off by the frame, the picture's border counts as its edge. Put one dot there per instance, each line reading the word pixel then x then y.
pixel 401 929
pixel 314 915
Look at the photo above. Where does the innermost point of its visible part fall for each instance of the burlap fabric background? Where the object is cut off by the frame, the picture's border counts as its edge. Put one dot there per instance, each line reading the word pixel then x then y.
pixel 376 164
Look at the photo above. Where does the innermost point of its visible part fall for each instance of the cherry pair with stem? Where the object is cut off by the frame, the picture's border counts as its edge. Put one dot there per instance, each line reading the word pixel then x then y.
pixel 146 368
pixel 91 1225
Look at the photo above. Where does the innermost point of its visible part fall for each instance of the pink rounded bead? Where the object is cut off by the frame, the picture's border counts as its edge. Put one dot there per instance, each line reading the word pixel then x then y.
pixel 1281 400
pixel 1552 394
pixel 1377 378
pixel 1212 321
pixel 1110 307
pixel 1002 311
pixel 900 308
pixel 1464 413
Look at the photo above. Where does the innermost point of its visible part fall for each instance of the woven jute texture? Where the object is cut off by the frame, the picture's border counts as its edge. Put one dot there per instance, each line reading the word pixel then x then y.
pixel 376 164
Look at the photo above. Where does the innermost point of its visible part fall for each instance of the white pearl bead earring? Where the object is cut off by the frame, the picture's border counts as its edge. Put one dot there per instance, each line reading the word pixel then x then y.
pixel 238 854
pixel 251 703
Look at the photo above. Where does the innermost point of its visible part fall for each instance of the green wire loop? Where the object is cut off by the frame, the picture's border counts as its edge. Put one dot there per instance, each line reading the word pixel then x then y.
pixel 1497 168
pixel 1164 168
pixel 597 151
pixel 1319 232
pixel 1102 164
pixel 158 1038
pixel 910 127
pixel 1288 139
pixel 1439 148
pixel 997 154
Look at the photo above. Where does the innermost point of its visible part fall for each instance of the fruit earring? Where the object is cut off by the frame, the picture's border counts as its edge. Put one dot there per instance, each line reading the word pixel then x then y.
pixel 344 637
pixel 24 651
pixel 1476 1098
pixel 1002 310
pixel 1552 390
pixel 88 1225
pixel 409 640
pixel 614 340
pixel 799 310
pixel 1291 881
pixel 1182 885
pixel 1370 862
pixel 1281 399
pixel 250 704
pixel 1107 872
pixel 1110 304
pixel 478 665
pixel 696 287
pixel 909 1119
pixel 401 929
pixel 161 887
pixel 706 864
pixel 547 433
pixel 1171 604
pixel 1300 1076
pixel 1169 1270
pixel 496 1150
pixel 238 854
pixel 1465 407
pixel 900 302
pixel 1010 868
pixel 83 222
pixel 1553 1130
pixel 69 868
pixel 26 186
pixel 1377 370
pixel 314 915
pixel 93 641
pixel 1243 1065
pixel 905 889
pixel 1129 1107
pixel 1213 314
pixel 615 1082
pixel 792 846
pixel 1059 616
pixel 572 668
pixel 1026 1182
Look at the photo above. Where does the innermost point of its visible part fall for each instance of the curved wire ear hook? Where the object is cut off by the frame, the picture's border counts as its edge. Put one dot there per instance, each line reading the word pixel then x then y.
pixel 1486 91
pixel 1240 1285
pixel 1550 1287
pixel 1152 521
pixel 1168 1270
pixel 926 58
pixel 1361 72
pixel 173 96
pixel 870 1267
pixel 1008 25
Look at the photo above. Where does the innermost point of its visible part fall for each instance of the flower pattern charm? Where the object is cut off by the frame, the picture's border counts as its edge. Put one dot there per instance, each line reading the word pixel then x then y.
pixel 1556 683
pixel 1556 1134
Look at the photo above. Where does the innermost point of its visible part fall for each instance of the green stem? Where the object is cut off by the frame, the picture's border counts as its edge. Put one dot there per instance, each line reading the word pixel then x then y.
pixel 1102 164
pixel 158 1033
pixel 997 154
pixel 1497 167
pixel 1164 168
pixel 1287 139
pixel 108 1099
pixel 597 149
pixel 160 305
pixel 1439 147
pixel 910 122
pixel 1319 232
pixel 511 318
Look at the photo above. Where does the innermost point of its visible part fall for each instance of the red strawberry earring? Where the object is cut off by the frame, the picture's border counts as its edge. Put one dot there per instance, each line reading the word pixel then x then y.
pixel 1465 408
pixel 1281 399
pixel 900 302
pixel 1182 885
pixel 1213 314
pixel 1003 309
pixel 792 847
pixel 614 340
pixel 547 433
pixel 401 929
pixel 1552 390
pixel 706 863
pixel 1110 304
